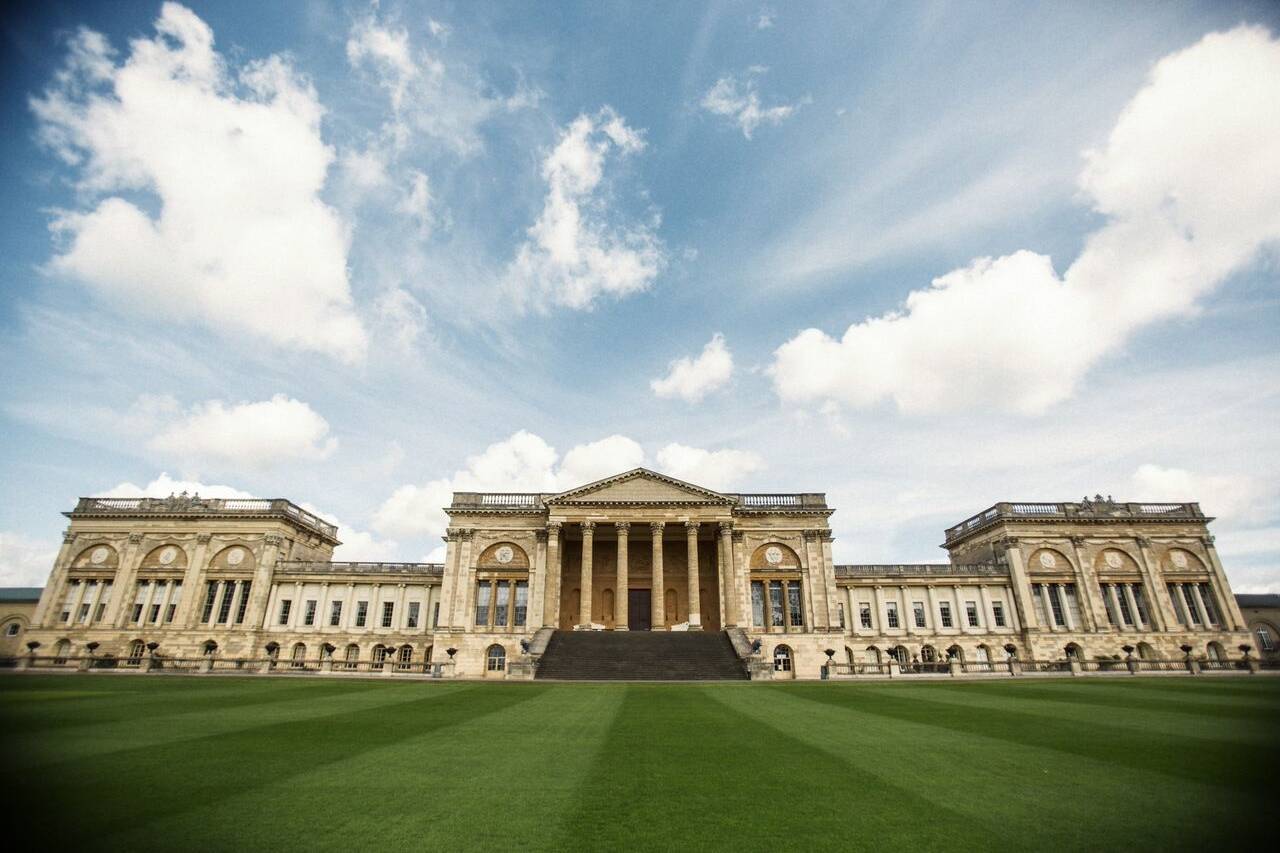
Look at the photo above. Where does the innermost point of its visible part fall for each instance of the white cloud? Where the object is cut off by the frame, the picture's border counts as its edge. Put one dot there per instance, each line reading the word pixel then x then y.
pixel 245 435
pixel 25 561
pixel 357 545
pixel 400 317
pixel 739 100
pixel 764 18
pixel 715 469
pixel 241 240
pixel 527 463
pixel 691 379
pixel 1191 185
pixel 576 253
pixel 1234 499
pixel 164 485
pixel 417 203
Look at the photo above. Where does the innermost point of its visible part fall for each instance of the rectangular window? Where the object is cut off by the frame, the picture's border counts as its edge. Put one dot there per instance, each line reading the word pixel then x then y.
pixel 891 614
pixel 245 586
pixel 285 606
pixel 918 608
pixel 1206 595
pixel 1073 606
pixel 137 613
pixel 210 593
pixel 522 602
pixel 864 614
pixel 777 618
pixel 175 598
pixel 997 611
pixel 335 613
pixel 793 604
pixel 1265 640
pixel 84 613
pixel 1055 603
pixel 228 595
pixel 155 614
pixel 173 610
pixel 483 590
pixel 944 610
pixel 435 615
pixel 412 621
pixel 362 613
pixel 388 612
pixel 1191 604
pixel 757 603
pixel 102 611
pixel 971 611
pixel 840 613
pixel 500 607
pixel 309 614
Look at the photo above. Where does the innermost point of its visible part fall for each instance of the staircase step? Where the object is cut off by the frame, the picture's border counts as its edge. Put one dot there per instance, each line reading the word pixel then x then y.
pixel 640 656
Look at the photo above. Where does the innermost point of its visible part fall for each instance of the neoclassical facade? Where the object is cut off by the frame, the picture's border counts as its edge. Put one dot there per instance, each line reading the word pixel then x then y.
pixel 254 580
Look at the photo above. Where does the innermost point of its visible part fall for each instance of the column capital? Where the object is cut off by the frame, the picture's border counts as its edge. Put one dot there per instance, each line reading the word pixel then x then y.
pixel 811 535
pixel 655 527
pixel 1008 541
pixel 1143 542
pixel 466 533
pixel 540 535
pixel 553 527
pixel 273 539
pixel 622 527
pixel 588 526
pixel 68 537
pixel 135 538
pixel 203 538
pixel 1207 540
pixel 691 527
pixel 1076 540
pixel 739 535
pixel 726 527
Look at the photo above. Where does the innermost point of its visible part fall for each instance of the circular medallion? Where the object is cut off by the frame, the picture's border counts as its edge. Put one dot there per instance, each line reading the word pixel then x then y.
pixel 1179 559
pixel 168 555
pixel 1048 560
pixel 774 555
pixel 235 556
pixel 99 555
pixel 505 554
pixel 1114 560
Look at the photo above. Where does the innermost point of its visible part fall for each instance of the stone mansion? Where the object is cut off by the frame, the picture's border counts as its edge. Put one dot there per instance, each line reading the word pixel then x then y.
pixel 252 581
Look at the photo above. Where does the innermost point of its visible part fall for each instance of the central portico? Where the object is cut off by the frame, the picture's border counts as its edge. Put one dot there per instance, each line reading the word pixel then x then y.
pixel 638 551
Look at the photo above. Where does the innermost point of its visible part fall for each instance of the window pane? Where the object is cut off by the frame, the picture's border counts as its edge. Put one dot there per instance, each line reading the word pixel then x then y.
pixel 500 606
pixel 775 604
pixel 864 615
pixel 1191 604
pixel 1206 595
pixel 245 586
pixel 971 611
pixel 944 609
pixel 309 615
pixel 362 613
pixel 757 603
pixel 917 608
pixel 388 613
pixel 412 621
pixel 483 590
pixel 793 604
pixel 891 614
pixel 522 602
pixel 335 613
pixel 997 610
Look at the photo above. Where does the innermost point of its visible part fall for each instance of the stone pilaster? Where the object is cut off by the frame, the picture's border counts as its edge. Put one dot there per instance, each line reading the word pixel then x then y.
pixel 126 580
pixel 1088 593
pixel 551 604
pixel 191 583
pixel 621 598
pixel 728 575
pixel 588 548
pixel 658 596
pixel 255 619
pixel 1232 618
pixel 1150 580
pixel 45 613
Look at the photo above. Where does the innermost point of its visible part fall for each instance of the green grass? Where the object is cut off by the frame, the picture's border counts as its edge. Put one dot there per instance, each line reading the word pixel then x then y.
pixel 160 762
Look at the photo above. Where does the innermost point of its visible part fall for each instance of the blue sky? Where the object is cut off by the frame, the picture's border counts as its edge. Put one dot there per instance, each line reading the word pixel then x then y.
pixel 920 257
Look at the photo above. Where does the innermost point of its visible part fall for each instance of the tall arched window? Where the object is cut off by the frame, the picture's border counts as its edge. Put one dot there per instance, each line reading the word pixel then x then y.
pixel 782 659
pixel 873 654
pixel 928 654
pixel 901 655
pixel 495 659
pixel 983 657
pixel 299 655
pixel 136 649
pixel 352 656
pixel 955 653
pixel 379 656
pixel 404 657
pixel 1074 652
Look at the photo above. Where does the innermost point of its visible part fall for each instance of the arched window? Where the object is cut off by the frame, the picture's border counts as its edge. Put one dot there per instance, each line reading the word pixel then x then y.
pixel 299 655
pixel 955 653
pixel 61 651
pixel 404 657
pixel 1216 654
pixel 352 656
pixel 983 656
pixel 782 659
pixel 901 655
pixel 495 659
pixel 136 649
pixel 848 655
pixel 1074 652
pixel 1145 652
pixel 379 656
pixel 426 655
pixel 1266 640
pixel 873 654
pixel 928 654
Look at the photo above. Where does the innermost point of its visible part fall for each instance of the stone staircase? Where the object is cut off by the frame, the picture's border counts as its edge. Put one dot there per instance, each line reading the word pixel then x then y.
pixel 640 656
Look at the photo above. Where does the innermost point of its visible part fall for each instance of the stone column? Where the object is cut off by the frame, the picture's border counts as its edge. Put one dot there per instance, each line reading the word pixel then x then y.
pixel 728 575
pixel 695 598
pixel 185 617
pixel 1146 564
pixel 537 581
pixel 397 622
pixel 349 608
pixel 1066 607
pixel 551 604
pixel 908 617
pixel 45 613
pixel 932 619
pixel 878 623
pixel 1228 607
pixel 658 597
pixel 1199 600
pixel 984 601
pixel 1132 600
pixel 449 577
pixel 621 599
pixel 742 577
pixel 962 613
pixel 464 599
pixel 588 544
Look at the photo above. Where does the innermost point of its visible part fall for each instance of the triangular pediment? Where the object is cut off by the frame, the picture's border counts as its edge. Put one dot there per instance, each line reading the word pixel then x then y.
pixel 640 485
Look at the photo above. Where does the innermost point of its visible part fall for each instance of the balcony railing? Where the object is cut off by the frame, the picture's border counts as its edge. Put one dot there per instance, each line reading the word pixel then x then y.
pixel 298 567
pixel 1090 510
pixel 799 500
pixel 185 504
pixel 921 570
pixel 498 500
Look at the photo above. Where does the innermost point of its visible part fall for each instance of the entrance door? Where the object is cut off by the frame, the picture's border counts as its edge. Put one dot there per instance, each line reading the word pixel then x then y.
pixel 639 610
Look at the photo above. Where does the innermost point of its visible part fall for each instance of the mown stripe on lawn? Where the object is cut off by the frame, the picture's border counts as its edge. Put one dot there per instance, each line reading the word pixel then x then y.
pixel 680 769
pixel 498 780
pixel 127 790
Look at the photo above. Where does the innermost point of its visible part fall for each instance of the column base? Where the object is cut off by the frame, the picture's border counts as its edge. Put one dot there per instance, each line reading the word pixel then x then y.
pixel 621 628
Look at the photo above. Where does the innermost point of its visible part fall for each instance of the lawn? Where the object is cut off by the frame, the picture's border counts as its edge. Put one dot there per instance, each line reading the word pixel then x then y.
pixel 173 763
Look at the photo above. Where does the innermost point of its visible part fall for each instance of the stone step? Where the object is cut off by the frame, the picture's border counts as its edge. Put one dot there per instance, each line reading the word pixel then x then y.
pixel 640 656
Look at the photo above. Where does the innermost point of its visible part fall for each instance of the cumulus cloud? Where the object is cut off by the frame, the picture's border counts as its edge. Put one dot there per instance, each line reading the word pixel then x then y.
pixel 738 99
pixel 25 561
pixel 164 485
pixel 243 435
pixel 577 251
pixel 1190 185
pixel 525 462
pixel 234 159
pixel 715 469
pixel 1233 498
pixel 691 379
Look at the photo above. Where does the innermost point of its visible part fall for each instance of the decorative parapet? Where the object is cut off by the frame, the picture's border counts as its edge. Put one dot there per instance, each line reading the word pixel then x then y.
pixel 1100 509
pixel 498 500
pixel 311 567
pixel 921 570
pixel 536 501
pixel 194 506
pixel 798 500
